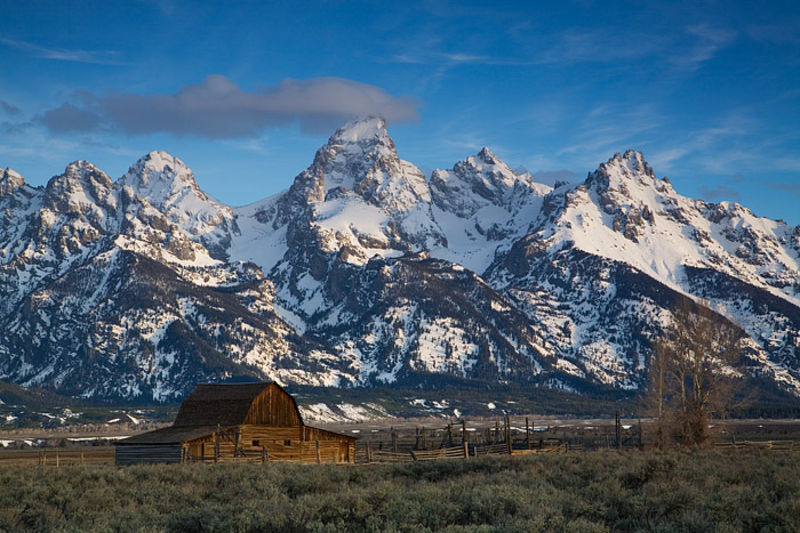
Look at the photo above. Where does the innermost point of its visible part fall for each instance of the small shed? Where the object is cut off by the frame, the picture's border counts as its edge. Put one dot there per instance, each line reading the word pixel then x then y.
pixel 252 421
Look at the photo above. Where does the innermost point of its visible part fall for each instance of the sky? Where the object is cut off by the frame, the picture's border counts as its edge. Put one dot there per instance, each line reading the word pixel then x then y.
pixel 245 92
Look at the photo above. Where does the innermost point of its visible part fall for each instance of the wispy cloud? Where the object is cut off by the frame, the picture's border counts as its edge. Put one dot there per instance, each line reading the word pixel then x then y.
pixel 100 57
pixel 608 128
pixel 597 46
pixel 708 40
pixel 719 193
pixel 791 188
pixel 9 108
pixel 452 59
pixel 663 159
pixel 217 108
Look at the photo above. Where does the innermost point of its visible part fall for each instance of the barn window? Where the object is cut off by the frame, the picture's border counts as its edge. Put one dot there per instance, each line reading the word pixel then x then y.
pixel 256 443
pixel 287 442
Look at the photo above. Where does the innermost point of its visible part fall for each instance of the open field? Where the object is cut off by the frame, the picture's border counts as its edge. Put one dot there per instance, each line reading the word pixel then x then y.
pixel 614 491
pixel 58 457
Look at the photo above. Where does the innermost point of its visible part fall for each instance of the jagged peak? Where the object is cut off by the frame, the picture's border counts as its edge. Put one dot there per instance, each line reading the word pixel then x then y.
pixel 82 171
pixel 485 165
pixel 82 186
pixel 158 165
pixel 632 162
pixel 623 169
pixel 488 157
pixel 360 130
pixel 10 180
pixel 158 176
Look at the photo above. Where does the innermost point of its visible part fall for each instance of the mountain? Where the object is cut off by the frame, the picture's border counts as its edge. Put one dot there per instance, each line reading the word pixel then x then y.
pixel 363 273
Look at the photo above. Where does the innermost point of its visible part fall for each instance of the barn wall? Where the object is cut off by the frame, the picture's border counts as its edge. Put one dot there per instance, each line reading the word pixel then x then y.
pixel 273 407
pixel 152 453
pixel 281 443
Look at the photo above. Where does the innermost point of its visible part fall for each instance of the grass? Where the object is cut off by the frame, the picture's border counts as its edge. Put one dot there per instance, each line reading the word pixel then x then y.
pixel 628 491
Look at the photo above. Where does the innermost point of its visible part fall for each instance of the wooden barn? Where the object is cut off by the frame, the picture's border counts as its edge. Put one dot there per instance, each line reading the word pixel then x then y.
pixel 253 421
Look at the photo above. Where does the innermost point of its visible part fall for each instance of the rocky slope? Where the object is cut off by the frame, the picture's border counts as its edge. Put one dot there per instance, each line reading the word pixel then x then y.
pixel 366 273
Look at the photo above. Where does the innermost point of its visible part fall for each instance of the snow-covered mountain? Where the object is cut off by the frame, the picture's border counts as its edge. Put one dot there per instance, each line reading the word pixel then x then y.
pixel 363 272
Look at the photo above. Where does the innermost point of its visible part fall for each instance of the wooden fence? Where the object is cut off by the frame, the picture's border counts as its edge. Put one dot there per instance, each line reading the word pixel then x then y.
pixel 774 445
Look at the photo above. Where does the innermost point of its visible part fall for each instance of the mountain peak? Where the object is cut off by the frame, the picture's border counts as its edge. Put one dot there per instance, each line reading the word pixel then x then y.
pixel 488 157
pixel 82 186
pixel 159 175
pixel 85 173
pixel 159 165
pixel 360 130
pixel 632 162
pixel 10 180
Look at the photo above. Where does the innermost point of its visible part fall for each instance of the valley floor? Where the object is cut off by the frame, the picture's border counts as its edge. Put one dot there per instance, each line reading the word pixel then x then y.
pixel 748 490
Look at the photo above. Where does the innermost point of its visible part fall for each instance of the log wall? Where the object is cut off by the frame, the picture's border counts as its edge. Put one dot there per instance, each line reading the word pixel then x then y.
pixel 277 443
pixel 142 453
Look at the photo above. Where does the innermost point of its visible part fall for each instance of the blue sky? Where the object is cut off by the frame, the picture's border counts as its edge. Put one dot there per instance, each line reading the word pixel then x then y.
pixel 245 92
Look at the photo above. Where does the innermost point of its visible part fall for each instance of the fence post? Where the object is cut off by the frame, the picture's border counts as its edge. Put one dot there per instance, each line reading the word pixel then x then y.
pixel 508 433
pixel 216 445
pixel 369 453
pixel 463 431
pixel 466 450
pixel 641 440
pixel 394 441
pixel 618 430
pixel 527 434
pixel 316 445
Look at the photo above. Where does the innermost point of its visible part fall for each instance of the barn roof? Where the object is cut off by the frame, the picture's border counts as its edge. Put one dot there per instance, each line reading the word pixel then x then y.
pixel 226 405
pixel 170 435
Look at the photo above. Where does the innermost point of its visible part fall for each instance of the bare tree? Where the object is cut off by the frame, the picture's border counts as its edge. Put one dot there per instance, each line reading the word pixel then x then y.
pixel 693 371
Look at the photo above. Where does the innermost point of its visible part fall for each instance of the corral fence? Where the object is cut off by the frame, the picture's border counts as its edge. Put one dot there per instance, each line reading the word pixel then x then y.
pixel 774 445
pixel 456 441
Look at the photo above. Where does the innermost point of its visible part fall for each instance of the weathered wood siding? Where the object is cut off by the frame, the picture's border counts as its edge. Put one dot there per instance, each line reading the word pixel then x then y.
pixel 153 453
pixel 280 443
pixel 273 407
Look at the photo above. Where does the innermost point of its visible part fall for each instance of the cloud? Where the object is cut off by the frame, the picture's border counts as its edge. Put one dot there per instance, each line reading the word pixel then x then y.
pixel 791 188
pixel 66 118
pixel 9 108
pixel 551 177
pixel 100 57
pixel 709 41
pixel 719 193
pixel 219 109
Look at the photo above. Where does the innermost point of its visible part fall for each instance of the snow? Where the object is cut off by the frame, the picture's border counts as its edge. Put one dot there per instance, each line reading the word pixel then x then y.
pixel 258 241
pixel 667 244
pixel 169 185
pixel 343 412
pixel 359 130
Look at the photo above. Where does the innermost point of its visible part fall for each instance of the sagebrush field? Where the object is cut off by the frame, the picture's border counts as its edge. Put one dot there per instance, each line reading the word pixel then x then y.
pixel 613 491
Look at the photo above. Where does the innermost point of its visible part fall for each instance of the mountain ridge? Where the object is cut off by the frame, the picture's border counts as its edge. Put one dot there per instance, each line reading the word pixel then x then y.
pixel 364 273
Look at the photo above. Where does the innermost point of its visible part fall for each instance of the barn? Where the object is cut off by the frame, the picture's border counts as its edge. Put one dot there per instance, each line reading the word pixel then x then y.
pixel 251 421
